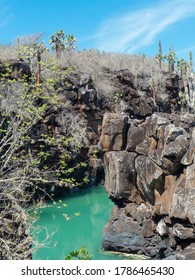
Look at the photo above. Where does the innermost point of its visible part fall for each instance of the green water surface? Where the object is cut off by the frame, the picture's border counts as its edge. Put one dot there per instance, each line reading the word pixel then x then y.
pixel 89 211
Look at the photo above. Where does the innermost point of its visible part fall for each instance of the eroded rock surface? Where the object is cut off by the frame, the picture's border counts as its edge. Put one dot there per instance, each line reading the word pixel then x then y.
pixel 152 183
pixel 114 130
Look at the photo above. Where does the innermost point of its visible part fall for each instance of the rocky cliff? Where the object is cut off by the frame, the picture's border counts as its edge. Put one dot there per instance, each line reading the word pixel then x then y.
pixel 148 154
pixel 147 148
pixel 150 175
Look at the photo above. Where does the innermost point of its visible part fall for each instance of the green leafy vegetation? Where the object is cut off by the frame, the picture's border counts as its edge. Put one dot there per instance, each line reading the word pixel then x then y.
pixel 33 155
pixel 81 254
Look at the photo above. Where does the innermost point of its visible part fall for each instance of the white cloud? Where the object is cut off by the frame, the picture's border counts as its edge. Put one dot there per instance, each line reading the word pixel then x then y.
pixel 137 29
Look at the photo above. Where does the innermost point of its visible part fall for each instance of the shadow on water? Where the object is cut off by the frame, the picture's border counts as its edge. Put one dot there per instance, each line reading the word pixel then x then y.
pixel 89 211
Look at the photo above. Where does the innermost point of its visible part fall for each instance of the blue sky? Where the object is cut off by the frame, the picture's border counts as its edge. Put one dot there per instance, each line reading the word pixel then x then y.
pixel 128 26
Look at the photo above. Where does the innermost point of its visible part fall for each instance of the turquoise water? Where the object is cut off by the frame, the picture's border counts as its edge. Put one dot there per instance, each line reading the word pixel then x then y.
pixel 88 212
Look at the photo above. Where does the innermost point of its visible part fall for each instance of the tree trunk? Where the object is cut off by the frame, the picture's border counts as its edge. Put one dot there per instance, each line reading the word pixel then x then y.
pixel 38 68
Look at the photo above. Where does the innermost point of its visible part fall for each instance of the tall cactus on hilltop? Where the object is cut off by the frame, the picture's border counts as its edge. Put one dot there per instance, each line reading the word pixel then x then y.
pixel 182 66
pixel 61 42
pixel 70 41
pixel 159 56
pixel 58 42
pixel 171 57
pixel 191 62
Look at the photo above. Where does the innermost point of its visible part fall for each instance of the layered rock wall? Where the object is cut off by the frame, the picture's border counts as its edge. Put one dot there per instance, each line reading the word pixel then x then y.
pixel 150 175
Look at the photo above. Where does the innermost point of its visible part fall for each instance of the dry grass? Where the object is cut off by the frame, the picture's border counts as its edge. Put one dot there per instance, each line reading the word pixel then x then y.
pixel 92 62
pixel 95 63
pixel 6 52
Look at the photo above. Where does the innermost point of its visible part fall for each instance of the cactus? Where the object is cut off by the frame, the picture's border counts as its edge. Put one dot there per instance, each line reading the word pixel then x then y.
pixel 191 62
pixel 182 66
pixel 159 56
pixel 60 42
pixel 70 41
pixel 171 59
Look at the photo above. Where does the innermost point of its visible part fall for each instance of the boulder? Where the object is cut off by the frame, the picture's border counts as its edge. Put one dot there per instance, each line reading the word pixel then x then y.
pixel 114 131
pixel 172 154
pixel 87 98
pixel 183 232
pixel 123 234
pixel 126 77
pixel 188 253
pixel 135 136
pixel 77 88
pixel 149 177
pixel 148 228
pixel 190 177
pixel 154 175
pixel 143 82
pixel 146 147
pixel 163 200
pixel 139 213
pixel 187 121
pixel 160 137
pixel 171 133
pixel 140 167
pixel 142 106
pixel 153 123
pixel 85 79
pixel 137 102
pixel 183 203
pixel 120 175
pixel 189 156
pixel 162 228
pixel 172 81
pixel 72 80
pixel 19 69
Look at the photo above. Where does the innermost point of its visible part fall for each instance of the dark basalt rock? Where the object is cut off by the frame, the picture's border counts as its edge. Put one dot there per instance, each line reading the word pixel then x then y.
pixel 135 136
pixel 124 234
pixel 126 77
pixel 120 175
pixel 114 130
pixel 18 69
pixel 155 179
pixel 172 154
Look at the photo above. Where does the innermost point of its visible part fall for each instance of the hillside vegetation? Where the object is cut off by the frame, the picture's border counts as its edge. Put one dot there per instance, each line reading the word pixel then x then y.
pixel 52 103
